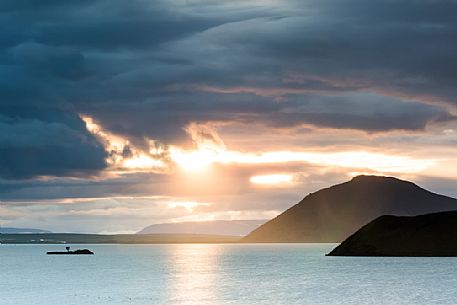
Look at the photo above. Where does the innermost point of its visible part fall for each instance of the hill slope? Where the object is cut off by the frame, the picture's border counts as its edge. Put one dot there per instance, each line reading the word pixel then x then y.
pixel 424 235
pixel 332 214
pixel 214 227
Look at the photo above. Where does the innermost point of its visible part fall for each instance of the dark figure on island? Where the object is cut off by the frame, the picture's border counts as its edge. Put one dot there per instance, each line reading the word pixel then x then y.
pixel 76 252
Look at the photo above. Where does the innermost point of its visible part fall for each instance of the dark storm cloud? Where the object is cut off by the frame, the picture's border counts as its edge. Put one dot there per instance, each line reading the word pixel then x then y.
pixel 31 190
pixel 369 112
pixel 40 146
pixel 350 111
pixel 403 46
pixel 149 68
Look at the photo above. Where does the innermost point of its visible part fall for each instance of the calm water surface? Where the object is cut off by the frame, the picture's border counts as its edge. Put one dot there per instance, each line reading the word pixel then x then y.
pixel 219 274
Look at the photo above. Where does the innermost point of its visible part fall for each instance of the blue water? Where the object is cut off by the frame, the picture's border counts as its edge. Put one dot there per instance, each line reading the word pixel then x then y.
pixel 219 274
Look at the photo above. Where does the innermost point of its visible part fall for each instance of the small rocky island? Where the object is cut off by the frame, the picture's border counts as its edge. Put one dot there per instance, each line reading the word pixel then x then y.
pixel 424 235
pixel 68 252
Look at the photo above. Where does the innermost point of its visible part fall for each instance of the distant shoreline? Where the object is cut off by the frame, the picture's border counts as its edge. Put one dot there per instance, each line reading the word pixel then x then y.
pixel 133 239
pixel 75 238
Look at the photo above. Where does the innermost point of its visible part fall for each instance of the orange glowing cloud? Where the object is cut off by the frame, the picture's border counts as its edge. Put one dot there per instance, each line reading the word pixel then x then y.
pixel 209 149
pixel 137 159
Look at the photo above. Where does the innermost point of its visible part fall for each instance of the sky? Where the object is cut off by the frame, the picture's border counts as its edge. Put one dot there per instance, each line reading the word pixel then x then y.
pixel 115 115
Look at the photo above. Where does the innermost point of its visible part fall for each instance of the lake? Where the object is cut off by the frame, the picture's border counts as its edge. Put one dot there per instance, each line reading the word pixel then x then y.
pixel 219 274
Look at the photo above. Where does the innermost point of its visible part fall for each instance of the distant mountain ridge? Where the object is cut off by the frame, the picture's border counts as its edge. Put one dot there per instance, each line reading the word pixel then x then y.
pixel 75 238
pixel 334 213
pixel 213 227
pixel 7 230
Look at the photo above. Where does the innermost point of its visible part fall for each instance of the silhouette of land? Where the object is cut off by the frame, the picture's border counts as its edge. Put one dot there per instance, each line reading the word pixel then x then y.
pixel 332 214
pixel 424 235
pixel 329 215
pixel 213 227
pixel 68 252
pixel 70 238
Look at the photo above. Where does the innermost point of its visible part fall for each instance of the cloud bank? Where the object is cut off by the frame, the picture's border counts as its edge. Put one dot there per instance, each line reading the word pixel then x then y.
pixel 258 76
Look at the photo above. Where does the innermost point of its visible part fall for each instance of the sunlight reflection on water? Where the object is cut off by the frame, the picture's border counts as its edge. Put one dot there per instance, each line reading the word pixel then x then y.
pixel 220 274
pixel 192 274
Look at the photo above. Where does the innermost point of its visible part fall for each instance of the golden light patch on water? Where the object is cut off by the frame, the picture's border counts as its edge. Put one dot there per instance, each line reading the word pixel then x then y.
pixel 193 274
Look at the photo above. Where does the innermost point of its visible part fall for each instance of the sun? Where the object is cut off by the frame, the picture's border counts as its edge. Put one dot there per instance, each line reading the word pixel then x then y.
pixel 195 160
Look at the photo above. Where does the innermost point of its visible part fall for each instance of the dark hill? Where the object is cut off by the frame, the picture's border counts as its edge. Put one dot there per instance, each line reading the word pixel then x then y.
pixel 425 235
pixel 332 214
